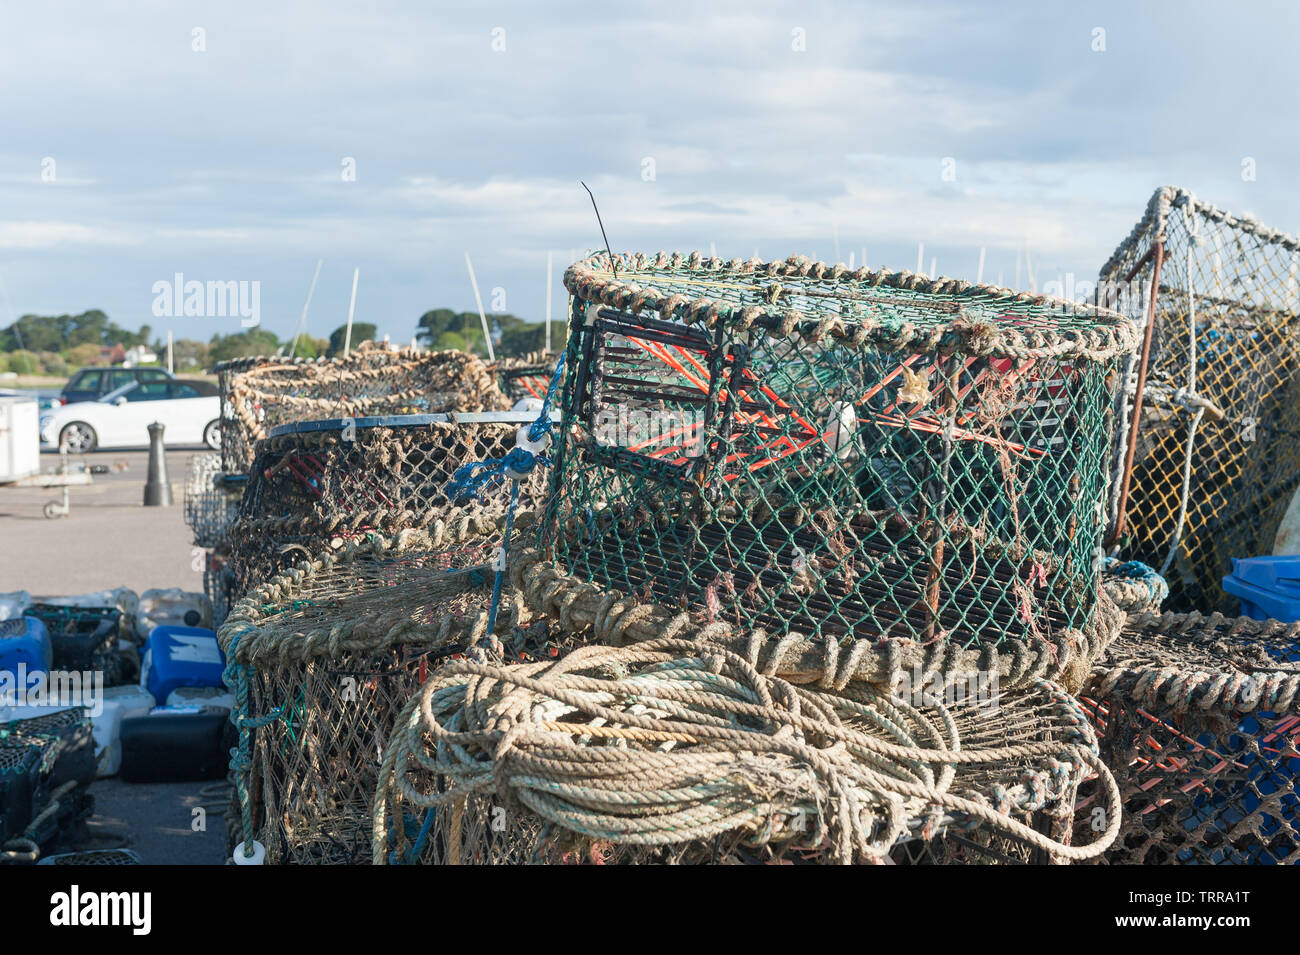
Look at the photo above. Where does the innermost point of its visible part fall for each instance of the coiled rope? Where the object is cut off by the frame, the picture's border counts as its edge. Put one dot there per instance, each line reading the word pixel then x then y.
pixel 669 742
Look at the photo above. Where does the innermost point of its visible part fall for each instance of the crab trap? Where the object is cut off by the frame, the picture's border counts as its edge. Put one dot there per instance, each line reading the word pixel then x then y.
pixel 47 764
pixel 259 394
pixel 322 659
pixel 526 377
pixel 321 484
pixel 1210 455
pixel 844 454
pixel 566 761
pixel 219 583
pixel 211 500
pixel 1199 719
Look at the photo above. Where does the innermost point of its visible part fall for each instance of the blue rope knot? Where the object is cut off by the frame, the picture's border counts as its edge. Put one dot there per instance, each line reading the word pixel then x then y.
pixel 471 480
pixel 1136 570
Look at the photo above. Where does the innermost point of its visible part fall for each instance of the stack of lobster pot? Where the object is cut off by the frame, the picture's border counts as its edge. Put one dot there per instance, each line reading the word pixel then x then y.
pixel 861 499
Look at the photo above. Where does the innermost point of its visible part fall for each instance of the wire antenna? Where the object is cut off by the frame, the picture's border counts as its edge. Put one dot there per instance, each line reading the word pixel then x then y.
pixel 612 264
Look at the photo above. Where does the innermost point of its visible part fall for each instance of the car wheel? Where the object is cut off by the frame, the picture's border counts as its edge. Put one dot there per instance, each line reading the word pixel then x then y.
pixel 79 437
pixel 212 435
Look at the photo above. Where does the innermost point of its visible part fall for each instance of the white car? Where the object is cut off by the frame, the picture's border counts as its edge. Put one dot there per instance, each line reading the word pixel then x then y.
pixel 191 411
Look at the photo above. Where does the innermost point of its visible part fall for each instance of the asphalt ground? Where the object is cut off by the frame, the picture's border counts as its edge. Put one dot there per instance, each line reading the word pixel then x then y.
pixel 109 539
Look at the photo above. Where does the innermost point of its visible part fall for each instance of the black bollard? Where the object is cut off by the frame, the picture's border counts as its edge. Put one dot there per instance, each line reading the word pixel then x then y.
pixel 157 489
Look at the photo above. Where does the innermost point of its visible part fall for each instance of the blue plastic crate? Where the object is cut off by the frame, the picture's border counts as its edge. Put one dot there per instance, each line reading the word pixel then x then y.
pixel 180 656
pixel 1269 587
pixel 24 642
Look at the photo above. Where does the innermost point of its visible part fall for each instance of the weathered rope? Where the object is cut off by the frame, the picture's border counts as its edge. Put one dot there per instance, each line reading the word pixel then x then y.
pixel 1133 586
pixel 473 478
pixel 615 619
pixel 236 676
pixel 1156 218
pixel 670 742
pixel 593 279
pixel 1189 663
pixel 257 631
pixel 23 848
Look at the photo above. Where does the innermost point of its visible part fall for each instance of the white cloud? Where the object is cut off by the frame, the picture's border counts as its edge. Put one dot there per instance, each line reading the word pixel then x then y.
pixel 227 161
pixel 48 235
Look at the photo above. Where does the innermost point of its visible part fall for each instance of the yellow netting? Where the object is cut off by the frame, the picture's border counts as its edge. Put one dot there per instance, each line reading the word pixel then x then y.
pixel 1217 456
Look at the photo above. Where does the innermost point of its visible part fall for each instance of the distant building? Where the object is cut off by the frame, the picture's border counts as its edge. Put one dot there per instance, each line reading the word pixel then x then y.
pixel 138 355
pixel 112 355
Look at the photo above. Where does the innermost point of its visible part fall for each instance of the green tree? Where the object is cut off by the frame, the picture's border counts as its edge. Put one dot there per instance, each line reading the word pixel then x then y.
pixel 53 363
pixel 33 333
pixel 24 362
pixel 78 356
pixel 308 347
pixel 188 353
pixel 450 341
pixel 255 341
pixel 525 338
pixel 361 332
pixel 433 323
pixel 517 335
pixel 57 333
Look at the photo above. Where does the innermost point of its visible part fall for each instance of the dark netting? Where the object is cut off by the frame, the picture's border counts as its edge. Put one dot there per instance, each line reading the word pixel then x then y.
pixel 258 394
pixel 97 857
pixel 47 764
pixel 678 752
pixel 1199 719
pixel 323 658
pixel 843 454
pixel 526 376
pixel 1217 452
pixel 211 503
pixel 322 484
pixel 219 582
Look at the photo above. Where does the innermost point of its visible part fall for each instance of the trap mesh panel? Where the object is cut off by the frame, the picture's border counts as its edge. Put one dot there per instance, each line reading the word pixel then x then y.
pixel 210 505
pixel 527 376
pixel 219 582
pixel 1199 718
pixel 846 454
pixel 332 652
pixel 1220 427
pixel 320 482
pixel 258 394
pixel 96 857
pixel 635 765
pixel 56 752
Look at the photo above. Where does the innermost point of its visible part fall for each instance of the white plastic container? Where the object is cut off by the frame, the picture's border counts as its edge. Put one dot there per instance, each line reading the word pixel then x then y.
pixel 14 604
pixel 120 702
pixel 201 696
pixel 20 439
pixel 172 606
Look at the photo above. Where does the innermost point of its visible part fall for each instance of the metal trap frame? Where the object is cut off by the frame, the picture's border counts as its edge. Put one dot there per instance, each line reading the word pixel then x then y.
pixel 846 454
pixel 323 658
pixel 1199 719
pixel 316 485
pixel 211 502
pixel 1210 455
pixel 260 394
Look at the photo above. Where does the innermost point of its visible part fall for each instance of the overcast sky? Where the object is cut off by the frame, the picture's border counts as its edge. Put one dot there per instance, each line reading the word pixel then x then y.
pixel 227 162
